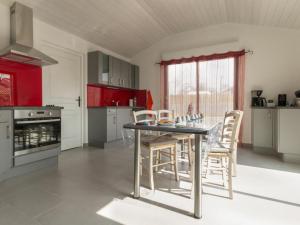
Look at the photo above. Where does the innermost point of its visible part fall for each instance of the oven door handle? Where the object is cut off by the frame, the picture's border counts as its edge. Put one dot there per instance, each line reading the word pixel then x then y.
pixel 37 121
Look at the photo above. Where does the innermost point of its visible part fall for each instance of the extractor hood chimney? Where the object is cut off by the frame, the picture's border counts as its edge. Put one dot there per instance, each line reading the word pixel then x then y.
pixel 21 39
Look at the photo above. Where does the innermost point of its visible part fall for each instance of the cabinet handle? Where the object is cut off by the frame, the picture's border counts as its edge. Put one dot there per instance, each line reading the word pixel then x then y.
pixel 7 132
pixel 115 120
pixel 119 81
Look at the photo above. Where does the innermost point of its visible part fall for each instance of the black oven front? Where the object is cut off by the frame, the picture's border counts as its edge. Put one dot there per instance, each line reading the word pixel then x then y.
pixel 36 130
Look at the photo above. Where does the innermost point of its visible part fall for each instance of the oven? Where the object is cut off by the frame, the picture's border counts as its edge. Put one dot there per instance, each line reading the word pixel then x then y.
pixel 36 132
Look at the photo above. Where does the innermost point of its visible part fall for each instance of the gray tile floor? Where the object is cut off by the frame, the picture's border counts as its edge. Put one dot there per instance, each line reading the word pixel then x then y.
pixel 93 186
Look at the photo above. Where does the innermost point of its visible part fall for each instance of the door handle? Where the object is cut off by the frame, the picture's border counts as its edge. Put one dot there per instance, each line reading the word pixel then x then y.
pixel 79 101
pixel 7 132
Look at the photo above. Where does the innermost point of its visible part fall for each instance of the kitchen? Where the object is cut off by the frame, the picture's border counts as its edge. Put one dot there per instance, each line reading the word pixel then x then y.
pixel 72 85
pixel 35 130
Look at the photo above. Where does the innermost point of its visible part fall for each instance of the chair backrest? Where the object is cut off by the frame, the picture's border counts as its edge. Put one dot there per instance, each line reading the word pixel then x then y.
pixel 214 135
pixel 165 114
pixel 231 128
pixel 128 136
pixel 145 116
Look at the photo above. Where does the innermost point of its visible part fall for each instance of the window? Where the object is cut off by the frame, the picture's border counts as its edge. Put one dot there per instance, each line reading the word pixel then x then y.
pixel 214 94
pixel 182 87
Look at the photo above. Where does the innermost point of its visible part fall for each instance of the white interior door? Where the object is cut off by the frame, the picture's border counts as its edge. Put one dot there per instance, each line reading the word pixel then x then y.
pixel 62 86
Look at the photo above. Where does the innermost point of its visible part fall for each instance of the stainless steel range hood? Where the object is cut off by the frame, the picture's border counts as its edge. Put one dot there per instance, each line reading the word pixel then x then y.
pixel 21 39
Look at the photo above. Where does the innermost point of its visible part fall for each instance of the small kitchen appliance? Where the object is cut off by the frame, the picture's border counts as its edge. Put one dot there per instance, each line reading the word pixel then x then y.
pixel 297 100
pixel 282 100
pixel 257 100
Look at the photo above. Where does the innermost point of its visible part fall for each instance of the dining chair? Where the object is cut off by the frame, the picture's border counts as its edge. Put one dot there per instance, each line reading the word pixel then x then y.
pixel 156 146
pixel 223 151
pixel 183 139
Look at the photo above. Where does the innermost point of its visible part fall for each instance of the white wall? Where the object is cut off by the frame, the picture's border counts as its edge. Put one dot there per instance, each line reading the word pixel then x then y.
pixel 274 66
pixel 48 33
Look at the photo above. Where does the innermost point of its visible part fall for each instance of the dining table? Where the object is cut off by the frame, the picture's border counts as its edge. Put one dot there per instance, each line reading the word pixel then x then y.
pixel 199 127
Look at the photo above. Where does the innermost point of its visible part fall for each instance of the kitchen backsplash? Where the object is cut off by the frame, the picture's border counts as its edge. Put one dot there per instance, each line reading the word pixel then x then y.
pixel 20 84
pixel 100 95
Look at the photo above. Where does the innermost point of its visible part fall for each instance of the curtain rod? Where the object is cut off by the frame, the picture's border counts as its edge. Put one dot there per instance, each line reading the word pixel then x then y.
pixel 249 51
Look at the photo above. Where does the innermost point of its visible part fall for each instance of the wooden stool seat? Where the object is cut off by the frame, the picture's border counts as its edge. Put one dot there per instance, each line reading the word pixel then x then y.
pixel 159 141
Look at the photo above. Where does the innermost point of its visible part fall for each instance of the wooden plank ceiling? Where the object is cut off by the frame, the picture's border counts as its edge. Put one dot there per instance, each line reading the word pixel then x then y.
pixel 129 26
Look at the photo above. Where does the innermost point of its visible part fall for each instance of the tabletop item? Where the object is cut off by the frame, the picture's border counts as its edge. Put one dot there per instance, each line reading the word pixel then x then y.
pixel 131 102
pixel 165 122
pixel 270 103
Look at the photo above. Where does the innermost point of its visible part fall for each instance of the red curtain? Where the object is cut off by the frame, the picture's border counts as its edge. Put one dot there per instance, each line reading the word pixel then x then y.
pixel 240 87
pixel 233 54
pixel 239 57
pixel 164 86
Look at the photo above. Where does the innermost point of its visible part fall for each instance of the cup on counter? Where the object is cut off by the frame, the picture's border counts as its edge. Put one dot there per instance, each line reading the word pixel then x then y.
pixel 131 102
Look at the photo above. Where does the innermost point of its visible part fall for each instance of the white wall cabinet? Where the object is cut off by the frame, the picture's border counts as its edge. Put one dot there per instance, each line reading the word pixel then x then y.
pixel 277 130
pixel 5 141
pixel 288 132
pixel 263 128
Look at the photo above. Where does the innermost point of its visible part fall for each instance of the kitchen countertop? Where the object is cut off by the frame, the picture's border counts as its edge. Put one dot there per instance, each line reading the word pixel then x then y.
pixel 29 107
pixel 275 107
pixel 131 107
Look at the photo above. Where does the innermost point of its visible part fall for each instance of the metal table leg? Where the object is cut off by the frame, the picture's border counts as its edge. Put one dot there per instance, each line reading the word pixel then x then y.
pixel 198 177
pixel 137 153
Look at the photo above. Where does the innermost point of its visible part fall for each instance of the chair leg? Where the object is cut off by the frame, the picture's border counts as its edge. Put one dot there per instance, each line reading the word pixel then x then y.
pixel 234 162
pixel 207 167
pixel 182 149
pixel 157 160
pixel 175 163
pixel 230 176
pixel 224 168
pixel 172 159
pixel 151 181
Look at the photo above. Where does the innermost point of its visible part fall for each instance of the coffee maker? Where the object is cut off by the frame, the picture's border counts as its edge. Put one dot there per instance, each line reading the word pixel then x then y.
pixel 257 100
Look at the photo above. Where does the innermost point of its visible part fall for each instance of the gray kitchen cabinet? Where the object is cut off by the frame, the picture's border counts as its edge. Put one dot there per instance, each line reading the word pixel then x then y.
pixel 5 141
pixel 106 124
pixel 123 117
pixel 114 71
pixel 263 129
pixel 105 69
pixel 111 128
pixel 98 67
pixel 125 74
pixel 134 78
